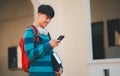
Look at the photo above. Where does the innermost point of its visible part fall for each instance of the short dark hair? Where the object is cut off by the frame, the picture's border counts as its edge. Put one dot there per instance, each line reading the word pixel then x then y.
pixel 46 9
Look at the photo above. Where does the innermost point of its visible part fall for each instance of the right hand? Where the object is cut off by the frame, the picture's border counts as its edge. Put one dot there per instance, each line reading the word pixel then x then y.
pixel 54 43
pixel 59 73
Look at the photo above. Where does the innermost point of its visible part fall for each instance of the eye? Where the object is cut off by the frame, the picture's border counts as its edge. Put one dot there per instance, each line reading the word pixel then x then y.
pixel 47 18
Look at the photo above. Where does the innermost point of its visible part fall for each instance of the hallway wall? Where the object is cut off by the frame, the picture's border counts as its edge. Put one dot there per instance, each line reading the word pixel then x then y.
pixel 15 15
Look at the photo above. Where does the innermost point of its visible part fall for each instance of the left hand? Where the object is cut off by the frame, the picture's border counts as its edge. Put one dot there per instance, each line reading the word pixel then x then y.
pixel 59 73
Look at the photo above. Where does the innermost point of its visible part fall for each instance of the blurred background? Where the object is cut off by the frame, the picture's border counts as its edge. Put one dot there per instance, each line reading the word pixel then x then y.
pixel 91 46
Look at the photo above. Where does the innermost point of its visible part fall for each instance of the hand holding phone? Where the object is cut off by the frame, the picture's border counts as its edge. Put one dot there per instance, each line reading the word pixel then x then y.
pixel 54 43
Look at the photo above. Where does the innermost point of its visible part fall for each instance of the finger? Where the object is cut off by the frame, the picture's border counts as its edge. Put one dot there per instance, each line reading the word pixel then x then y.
pixel 56 41
pixel 61 71
pixel 57 73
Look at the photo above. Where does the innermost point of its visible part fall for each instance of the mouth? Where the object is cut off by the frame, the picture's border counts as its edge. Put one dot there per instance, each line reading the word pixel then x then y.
pixel 46 23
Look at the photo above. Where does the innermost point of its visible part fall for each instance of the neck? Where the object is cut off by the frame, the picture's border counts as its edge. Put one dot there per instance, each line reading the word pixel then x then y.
pixel 37 23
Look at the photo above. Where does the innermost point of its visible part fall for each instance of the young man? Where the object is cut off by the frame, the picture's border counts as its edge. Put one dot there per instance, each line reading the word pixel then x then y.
pixel 40 54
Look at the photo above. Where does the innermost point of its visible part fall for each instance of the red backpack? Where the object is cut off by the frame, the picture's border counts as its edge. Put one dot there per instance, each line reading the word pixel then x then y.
pixel 25 60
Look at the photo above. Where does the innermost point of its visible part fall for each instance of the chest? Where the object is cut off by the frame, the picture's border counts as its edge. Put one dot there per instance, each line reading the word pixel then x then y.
pixel 44 39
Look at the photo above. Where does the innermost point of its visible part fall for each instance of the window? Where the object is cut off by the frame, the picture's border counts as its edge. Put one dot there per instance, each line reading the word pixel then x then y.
pixel 105 28
pixel 113 32
pixel 98 40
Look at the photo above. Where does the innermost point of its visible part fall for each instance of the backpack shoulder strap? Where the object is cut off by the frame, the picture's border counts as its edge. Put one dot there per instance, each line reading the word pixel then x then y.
pixel 34 29
pixel 36 33
pixel 49 35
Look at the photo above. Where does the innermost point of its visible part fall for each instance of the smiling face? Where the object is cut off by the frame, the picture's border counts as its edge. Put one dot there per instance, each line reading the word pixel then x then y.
pixel 43 20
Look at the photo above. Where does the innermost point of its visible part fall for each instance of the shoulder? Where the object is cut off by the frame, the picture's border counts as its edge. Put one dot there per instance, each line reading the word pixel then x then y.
pixel 28 29
pixel 29 32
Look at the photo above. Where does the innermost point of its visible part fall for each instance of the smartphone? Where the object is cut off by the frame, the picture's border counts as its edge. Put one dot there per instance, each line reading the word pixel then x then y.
pixel 60 37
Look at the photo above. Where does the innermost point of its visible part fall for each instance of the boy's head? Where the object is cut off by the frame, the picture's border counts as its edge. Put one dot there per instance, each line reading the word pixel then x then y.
pixel 45 14
pixel 46 9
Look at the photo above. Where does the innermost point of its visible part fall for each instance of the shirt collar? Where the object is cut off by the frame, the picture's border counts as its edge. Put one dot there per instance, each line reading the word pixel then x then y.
pixel 41 30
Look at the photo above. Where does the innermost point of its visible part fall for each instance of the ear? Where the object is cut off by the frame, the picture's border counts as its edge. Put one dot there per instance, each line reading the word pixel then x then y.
pixel 39 14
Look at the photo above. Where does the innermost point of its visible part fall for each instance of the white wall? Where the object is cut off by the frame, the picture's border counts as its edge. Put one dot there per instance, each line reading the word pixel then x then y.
pixel 97 67
pixel 77 41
